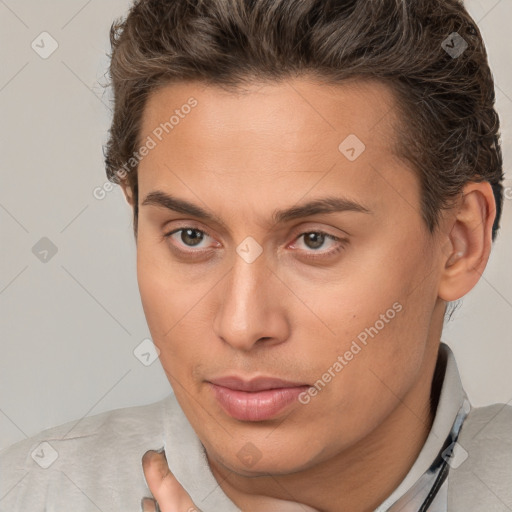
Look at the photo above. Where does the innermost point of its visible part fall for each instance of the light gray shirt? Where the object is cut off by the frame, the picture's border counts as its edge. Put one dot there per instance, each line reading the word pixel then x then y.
pixel 94 464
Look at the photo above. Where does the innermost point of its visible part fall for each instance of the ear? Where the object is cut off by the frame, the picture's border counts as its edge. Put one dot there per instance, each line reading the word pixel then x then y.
pixel 127 191
pixel 470 241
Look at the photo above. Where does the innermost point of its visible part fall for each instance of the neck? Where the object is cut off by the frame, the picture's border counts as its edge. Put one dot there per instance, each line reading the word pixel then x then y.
pixel 359 478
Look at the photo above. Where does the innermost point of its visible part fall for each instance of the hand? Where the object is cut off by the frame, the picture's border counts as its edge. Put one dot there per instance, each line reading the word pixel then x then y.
pixel 167 491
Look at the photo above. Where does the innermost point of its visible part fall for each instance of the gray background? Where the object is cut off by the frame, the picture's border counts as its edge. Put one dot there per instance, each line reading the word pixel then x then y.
pixel 70 325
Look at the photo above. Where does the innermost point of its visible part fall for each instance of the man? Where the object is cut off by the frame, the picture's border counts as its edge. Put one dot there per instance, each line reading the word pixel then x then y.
pixel 311 183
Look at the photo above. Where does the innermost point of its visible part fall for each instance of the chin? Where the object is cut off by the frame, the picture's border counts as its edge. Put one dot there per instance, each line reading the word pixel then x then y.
pixel 249 461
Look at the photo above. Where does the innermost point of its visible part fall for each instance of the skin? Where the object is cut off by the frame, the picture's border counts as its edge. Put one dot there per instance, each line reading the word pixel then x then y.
pixel 242 156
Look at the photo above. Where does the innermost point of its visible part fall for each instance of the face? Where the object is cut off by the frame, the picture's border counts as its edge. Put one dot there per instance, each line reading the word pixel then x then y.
pixel 335 300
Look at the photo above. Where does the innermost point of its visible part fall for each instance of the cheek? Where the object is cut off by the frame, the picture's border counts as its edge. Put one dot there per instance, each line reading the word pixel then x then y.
pixel 156 292
pixel 381 314
pixel 174 306
pixel 163 299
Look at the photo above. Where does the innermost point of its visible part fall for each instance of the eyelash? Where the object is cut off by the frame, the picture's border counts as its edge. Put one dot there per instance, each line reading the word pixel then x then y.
pixel 341 243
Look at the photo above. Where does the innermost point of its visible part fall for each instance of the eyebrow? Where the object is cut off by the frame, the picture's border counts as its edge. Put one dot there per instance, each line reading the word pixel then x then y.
pixel 329 204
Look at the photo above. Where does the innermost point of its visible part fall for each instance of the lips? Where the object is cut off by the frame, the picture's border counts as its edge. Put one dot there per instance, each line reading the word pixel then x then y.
pixel 255 400
pixel 258 384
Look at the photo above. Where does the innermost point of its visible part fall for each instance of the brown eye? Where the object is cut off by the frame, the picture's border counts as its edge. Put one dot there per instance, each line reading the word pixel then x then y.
pixel 191 236
pixel 188 236
pixel 316 240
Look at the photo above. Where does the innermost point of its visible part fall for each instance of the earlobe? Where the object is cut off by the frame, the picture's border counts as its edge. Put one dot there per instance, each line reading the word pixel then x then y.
pixel 470 241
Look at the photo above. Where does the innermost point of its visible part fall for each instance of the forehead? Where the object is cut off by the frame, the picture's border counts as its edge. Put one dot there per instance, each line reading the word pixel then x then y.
pixel 303 113
pixel 288 138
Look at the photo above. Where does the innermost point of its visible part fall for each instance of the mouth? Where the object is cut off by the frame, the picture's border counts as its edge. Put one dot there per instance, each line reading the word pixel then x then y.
pixel 258 399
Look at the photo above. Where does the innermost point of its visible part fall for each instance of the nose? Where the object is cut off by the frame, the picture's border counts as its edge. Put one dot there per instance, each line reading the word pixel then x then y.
pixel 251 306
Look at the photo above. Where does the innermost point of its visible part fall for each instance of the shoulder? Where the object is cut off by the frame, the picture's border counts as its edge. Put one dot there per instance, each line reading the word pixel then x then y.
pixel 481 476
pixel 489 421
pixel 117 426
pixel 74 457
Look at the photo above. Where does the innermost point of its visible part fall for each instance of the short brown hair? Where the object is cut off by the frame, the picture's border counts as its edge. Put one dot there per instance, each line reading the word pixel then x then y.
pixel 450 129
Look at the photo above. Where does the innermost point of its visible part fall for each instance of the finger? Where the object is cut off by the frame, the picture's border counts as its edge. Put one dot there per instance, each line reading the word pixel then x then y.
pixel 148 505
pixel 168 492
